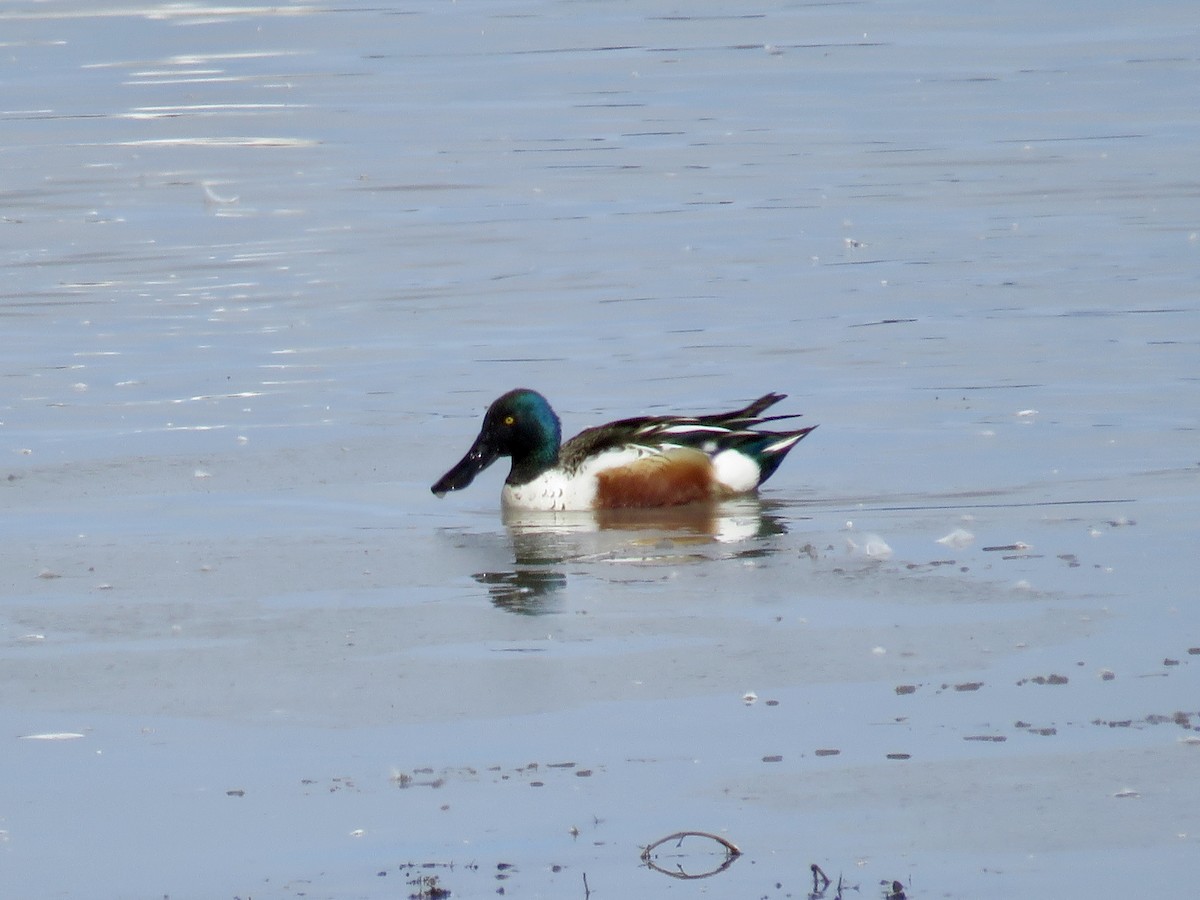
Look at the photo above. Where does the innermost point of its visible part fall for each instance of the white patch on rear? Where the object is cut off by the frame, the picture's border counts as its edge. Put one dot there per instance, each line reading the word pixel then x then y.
pixel 736 471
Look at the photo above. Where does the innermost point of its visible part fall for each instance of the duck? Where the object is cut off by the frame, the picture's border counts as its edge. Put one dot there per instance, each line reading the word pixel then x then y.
pixel 642 462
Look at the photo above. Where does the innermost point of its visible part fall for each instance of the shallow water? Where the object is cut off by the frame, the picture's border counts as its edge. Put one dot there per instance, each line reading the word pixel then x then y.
pixel 266 266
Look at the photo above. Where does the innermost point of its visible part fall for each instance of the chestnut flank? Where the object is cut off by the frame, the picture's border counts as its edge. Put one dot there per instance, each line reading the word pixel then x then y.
pixel 667 479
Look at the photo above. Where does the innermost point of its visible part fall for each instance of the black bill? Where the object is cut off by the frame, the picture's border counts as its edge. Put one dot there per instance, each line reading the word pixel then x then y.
pixel 479 457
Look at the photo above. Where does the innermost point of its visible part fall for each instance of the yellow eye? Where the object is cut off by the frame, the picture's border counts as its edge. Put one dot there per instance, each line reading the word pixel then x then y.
pixel 508 420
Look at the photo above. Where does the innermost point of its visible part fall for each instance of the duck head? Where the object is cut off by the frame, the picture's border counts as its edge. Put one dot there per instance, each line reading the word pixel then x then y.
pixel 519 424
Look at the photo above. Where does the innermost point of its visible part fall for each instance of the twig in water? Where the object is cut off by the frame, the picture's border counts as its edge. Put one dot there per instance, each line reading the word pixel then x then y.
pixel 731 853
pixel 730 849
pixel 820 879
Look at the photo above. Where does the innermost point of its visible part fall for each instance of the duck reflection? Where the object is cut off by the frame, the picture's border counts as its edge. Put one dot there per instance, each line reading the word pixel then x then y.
pixel 542 542
pixel 527 592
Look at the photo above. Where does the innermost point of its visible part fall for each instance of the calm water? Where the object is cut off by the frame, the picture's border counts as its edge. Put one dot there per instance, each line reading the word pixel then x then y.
pixel 264 267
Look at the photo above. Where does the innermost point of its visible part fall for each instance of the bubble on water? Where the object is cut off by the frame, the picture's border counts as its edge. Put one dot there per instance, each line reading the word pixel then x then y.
pixel 958 538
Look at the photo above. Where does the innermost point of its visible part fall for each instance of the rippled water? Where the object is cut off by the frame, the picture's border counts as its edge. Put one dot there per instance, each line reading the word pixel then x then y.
pixel 266 265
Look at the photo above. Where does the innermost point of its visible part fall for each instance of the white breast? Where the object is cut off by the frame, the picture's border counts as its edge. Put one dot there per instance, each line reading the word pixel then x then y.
pixel 550 492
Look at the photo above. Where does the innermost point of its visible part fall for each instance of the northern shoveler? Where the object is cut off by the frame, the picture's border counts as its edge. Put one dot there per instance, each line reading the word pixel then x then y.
pixel 643 462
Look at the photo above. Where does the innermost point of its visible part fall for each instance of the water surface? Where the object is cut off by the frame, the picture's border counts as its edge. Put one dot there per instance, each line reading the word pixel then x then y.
pixel 265 266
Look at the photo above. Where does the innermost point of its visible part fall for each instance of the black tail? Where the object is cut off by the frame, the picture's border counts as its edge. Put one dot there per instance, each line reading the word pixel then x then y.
pixel 748 415
pixel 770 451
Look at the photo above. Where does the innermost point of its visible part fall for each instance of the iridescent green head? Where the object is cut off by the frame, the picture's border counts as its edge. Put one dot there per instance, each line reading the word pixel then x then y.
pixel 520 424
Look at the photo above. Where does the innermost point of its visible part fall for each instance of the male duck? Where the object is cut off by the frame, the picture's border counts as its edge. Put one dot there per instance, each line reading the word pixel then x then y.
pixel 649 461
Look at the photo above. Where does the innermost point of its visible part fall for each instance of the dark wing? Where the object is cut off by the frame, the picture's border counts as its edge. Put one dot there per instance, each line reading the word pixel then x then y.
pixel 593 441
pixel 677 430
pixel 747 415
